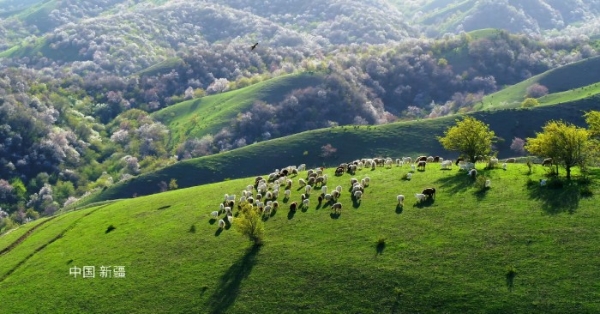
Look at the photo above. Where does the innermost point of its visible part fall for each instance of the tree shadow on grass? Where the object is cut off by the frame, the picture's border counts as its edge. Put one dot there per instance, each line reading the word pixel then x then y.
pixel 228 288
pixel 481 194
pixel 455 183
pixel 555 198
pixel 425 203
pixel 399 209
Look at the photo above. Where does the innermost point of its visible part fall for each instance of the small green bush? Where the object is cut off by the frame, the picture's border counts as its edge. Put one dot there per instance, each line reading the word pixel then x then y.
pixel 480 183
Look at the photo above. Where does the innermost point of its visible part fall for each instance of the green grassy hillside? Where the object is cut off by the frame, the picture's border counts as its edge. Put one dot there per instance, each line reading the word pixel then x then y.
pixel 448 255
pixel 208 115
pixel 396 139
pixel 568 83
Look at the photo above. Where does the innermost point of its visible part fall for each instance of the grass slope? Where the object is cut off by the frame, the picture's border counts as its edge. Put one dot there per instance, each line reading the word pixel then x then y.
pixel 567 83
pixel 447 255
pixel 396 139
pixel 208 115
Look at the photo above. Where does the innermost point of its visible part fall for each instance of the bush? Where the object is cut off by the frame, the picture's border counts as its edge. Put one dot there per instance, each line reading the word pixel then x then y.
pixel 530 103
pixel 250 224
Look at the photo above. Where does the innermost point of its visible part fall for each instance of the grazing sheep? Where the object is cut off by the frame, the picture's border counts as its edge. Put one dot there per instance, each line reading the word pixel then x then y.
pixel 493 161
pixel 303 196
pixel 437 159
pixel 408 176
pixel 547 162
pixel 230 219
pixel 242 199
pixel 269 203
pixel 249 188
pixel 358 187
pixel 363 182
pixel 429 192
pixel 337 208
pixel 488 183
pixel 301 182
pixel 260 205
pixel 413 167
pixel 275 205
pixel 275 194
pixel 429 159
pixel 221 224
pixel 459 160
pixel 324 189
pixel 511 160
pixel 353 180
pixel 311 181
pixel 421 165
pixel 367 181
pixel 420 197
pixel 338 188
pixel 335 195
pixel 258 196
pixel 288 184
pixel 293 206
pixel 447 164
pixel 542 182
pixel 302 167
pixel 421 158
pixel 305 203
pixel 214 214
pixel 267 210
pixel 228 210
pixel 307 189
pixel 226 198
pixel 222 206
pixel 400 199
pixel 339 171
pixel 504 166
pixel 472 173
pixel 406 160
pixel 287 193
pixel 398 162
pixel 358 195
pixel 269 195
pixel 250 200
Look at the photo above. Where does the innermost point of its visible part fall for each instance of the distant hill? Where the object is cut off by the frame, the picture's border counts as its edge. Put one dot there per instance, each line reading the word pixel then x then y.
pixel 208 115
pixel 393 140
pixel 565 84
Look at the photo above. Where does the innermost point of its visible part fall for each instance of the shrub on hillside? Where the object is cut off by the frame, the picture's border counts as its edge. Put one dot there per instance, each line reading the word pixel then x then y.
pixel 536 91
pixel 530 103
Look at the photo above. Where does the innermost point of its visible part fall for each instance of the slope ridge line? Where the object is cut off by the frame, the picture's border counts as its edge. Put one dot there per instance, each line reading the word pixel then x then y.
pixel 23 237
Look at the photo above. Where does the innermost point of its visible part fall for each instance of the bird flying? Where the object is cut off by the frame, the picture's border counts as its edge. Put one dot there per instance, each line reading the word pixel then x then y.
pixel 253 46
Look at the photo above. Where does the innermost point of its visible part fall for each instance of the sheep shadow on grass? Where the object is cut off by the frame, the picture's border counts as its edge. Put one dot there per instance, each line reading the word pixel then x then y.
pixel 399 209
pixel 425 203
pixel 218 232
pixel 481 193
pixel 380 247
pixel 212 221
pixel 558 196
pixel 229 285
pixel 291 214
pixel 335 215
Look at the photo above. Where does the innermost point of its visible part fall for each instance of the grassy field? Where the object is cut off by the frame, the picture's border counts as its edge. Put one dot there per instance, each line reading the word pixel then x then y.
pixel 208 115
pixel 395 139
pixel 565 84
pixel 448 255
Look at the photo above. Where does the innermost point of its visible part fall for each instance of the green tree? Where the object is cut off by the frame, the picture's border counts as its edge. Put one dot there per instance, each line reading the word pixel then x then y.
pixel 530 103
pixel 470 137
pixel 567 145
pixel 173 184
pixel 592 118
pixel 250 224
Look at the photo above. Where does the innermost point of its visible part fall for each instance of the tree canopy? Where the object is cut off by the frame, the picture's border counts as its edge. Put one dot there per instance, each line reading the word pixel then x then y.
pixel 568 145
pixel 470 137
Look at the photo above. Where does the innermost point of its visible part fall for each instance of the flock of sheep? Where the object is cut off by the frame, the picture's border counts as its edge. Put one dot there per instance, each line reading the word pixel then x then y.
pixel 264 193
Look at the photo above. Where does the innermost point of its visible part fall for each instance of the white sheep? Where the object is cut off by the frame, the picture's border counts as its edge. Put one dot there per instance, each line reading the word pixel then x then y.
pixel 328 197
pixel 488 183
pixel 358 195
pixel 222 206
pixel 214 214
pixel 242 199
pixel 406 160
pixel 324 189
pixel 504 166
pixel 398 162
pixel 228 210
pixel 230 219
pixel 472 173
pixel 400 199
pixel 305 203
pixel 301 182
pixel 287 193
pixel 447 164
pixel 338 188
pixel 258 196
pixel 363 182
pixel 249 187
pixel 269 203
pixel 302 167
pixel 231 197
pixel 221 224
pixel 267 210
pixel 367 181
pixel 413 167
pixel 307 189
pixel 353 180
pixel 408 176
pixel 420 197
